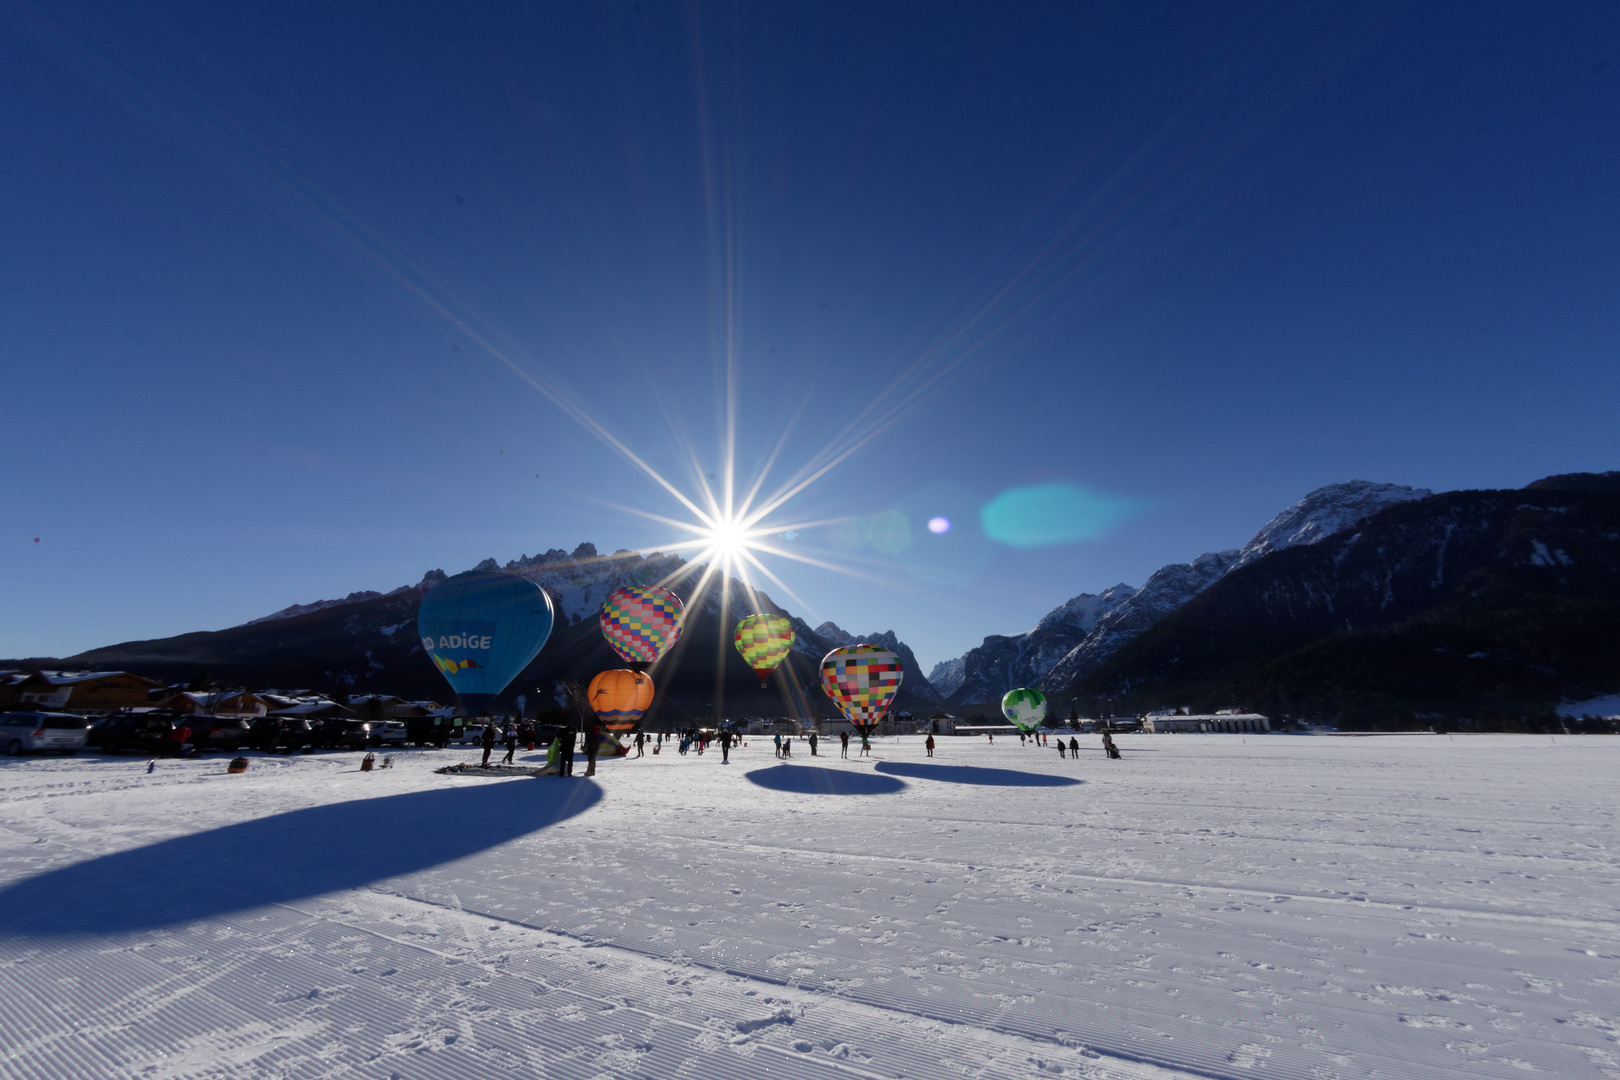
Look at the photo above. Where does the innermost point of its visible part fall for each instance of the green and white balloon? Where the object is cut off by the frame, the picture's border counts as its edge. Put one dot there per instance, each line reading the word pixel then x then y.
pixel 1026 708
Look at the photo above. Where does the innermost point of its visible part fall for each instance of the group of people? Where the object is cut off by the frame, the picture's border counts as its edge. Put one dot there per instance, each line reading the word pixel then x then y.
pixel 1041 738
pixel 563 746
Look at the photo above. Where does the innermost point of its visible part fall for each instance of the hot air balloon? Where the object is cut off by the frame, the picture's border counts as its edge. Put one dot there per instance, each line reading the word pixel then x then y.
pixel 764 641
pixel 619 698
pixel 863 680
pixel 641 622
pixel 1026 708
pixel 480 629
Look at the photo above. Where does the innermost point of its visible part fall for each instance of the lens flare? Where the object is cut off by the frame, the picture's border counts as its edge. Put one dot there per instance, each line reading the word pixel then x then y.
pixel 939 525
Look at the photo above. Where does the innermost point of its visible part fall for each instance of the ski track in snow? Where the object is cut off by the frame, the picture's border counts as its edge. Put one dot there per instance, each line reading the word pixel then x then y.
pixel 1211 906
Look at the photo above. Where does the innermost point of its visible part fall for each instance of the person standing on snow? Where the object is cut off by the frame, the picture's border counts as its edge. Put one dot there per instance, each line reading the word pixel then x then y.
pixel 843 742
pixel 777 738
pixel 1074 747
pixel 1109 749
pixel 929 744
pixel 725 747
pixel 488 741
pixel 812 744
pixel 866 745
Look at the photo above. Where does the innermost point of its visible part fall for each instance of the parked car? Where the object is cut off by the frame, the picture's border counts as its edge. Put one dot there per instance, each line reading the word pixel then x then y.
pixel 337 733
pixel 147 733
pixel 389 733
pixel 228 733
pixel 24 732
pixel 285 733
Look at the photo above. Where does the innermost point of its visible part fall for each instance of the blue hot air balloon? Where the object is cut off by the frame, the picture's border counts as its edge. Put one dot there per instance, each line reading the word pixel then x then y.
pixel 480 629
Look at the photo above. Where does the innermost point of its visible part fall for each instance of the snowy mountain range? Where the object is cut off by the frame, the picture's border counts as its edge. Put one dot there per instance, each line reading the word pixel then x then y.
pixel 1074 639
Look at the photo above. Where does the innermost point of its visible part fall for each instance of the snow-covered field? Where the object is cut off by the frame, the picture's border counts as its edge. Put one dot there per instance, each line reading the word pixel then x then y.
pixel 1215 906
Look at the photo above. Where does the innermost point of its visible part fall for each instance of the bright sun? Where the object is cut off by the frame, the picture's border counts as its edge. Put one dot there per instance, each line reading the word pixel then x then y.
pixel 728 539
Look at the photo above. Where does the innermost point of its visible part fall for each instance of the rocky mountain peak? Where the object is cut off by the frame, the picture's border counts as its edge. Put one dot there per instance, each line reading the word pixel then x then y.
pixel 835 633
pixel 1323 512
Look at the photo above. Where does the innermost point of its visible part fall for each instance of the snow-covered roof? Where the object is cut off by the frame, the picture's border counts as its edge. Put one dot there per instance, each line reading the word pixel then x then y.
pixel 67 678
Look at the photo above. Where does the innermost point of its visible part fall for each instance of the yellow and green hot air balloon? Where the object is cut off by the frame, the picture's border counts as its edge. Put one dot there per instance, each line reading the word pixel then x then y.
pixel 764 641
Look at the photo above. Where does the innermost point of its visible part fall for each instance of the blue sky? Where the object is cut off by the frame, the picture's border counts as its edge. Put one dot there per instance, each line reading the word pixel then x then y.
pixel 308 300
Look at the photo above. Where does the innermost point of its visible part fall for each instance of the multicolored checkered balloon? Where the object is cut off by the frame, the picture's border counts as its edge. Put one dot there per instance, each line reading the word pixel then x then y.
pixel 1026 708
pixel 863 680
pixel 641 622
pixel 764 641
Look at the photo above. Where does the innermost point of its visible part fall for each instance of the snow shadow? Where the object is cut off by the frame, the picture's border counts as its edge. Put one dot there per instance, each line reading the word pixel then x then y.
pixel 973 774
pixel 285 857
pixel 809 780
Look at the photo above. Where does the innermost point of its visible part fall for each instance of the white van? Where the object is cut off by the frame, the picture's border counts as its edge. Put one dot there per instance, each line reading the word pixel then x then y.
pixel 21 732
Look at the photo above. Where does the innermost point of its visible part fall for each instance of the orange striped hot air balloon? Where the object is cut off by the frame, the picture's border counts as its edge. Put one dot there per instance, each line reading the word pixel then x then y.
pixel 620 697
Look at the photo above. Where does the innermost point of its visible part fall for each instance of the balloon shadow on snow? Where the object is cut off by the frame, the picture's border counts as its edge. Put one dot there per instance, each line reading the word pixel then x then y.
pixel 973 774
pixel 285 857
pixel 808 780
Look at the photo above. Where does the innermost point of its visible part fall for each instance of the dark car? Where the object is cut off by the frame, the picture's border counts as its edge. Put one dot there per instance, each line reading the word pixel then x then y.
pixel 146 733
pixel 284 733
pixel 228 733
pixel 337 733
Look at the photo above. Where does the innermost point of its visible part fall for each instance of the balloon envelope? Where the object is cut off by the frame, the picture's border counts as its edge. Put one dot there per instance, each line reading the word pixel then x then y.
pixel 764 641
pixel 1026 708
pixel 641 622
pixel 863 680
pixel 480 629
pixel 620 697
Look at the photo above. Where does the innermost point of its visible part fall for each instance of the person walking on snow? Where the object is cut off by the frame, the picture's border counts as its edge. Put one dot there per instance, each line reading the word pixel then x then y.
pixel 488 740
pixel 929 744
pixel 1061 749
pixel 1109 748
pixel 593 733
pixel 641 744
pixel 1074 747
pixel 725 747
pixel 511 744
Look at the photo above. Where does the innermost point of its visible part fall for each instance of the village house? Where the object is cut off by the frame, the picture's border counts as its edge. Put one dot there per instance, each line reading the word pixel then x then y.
pixel 75 691
pixel 1230 721
pixel 233 704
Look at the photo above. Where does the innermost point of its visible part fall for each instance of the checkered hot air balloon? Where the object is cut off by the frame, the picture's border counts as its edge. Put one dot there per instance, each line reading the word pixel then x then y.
pixel 764 641
pixel 619 698
pixel 863 680
pixel 1026 708
pixel 641 622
